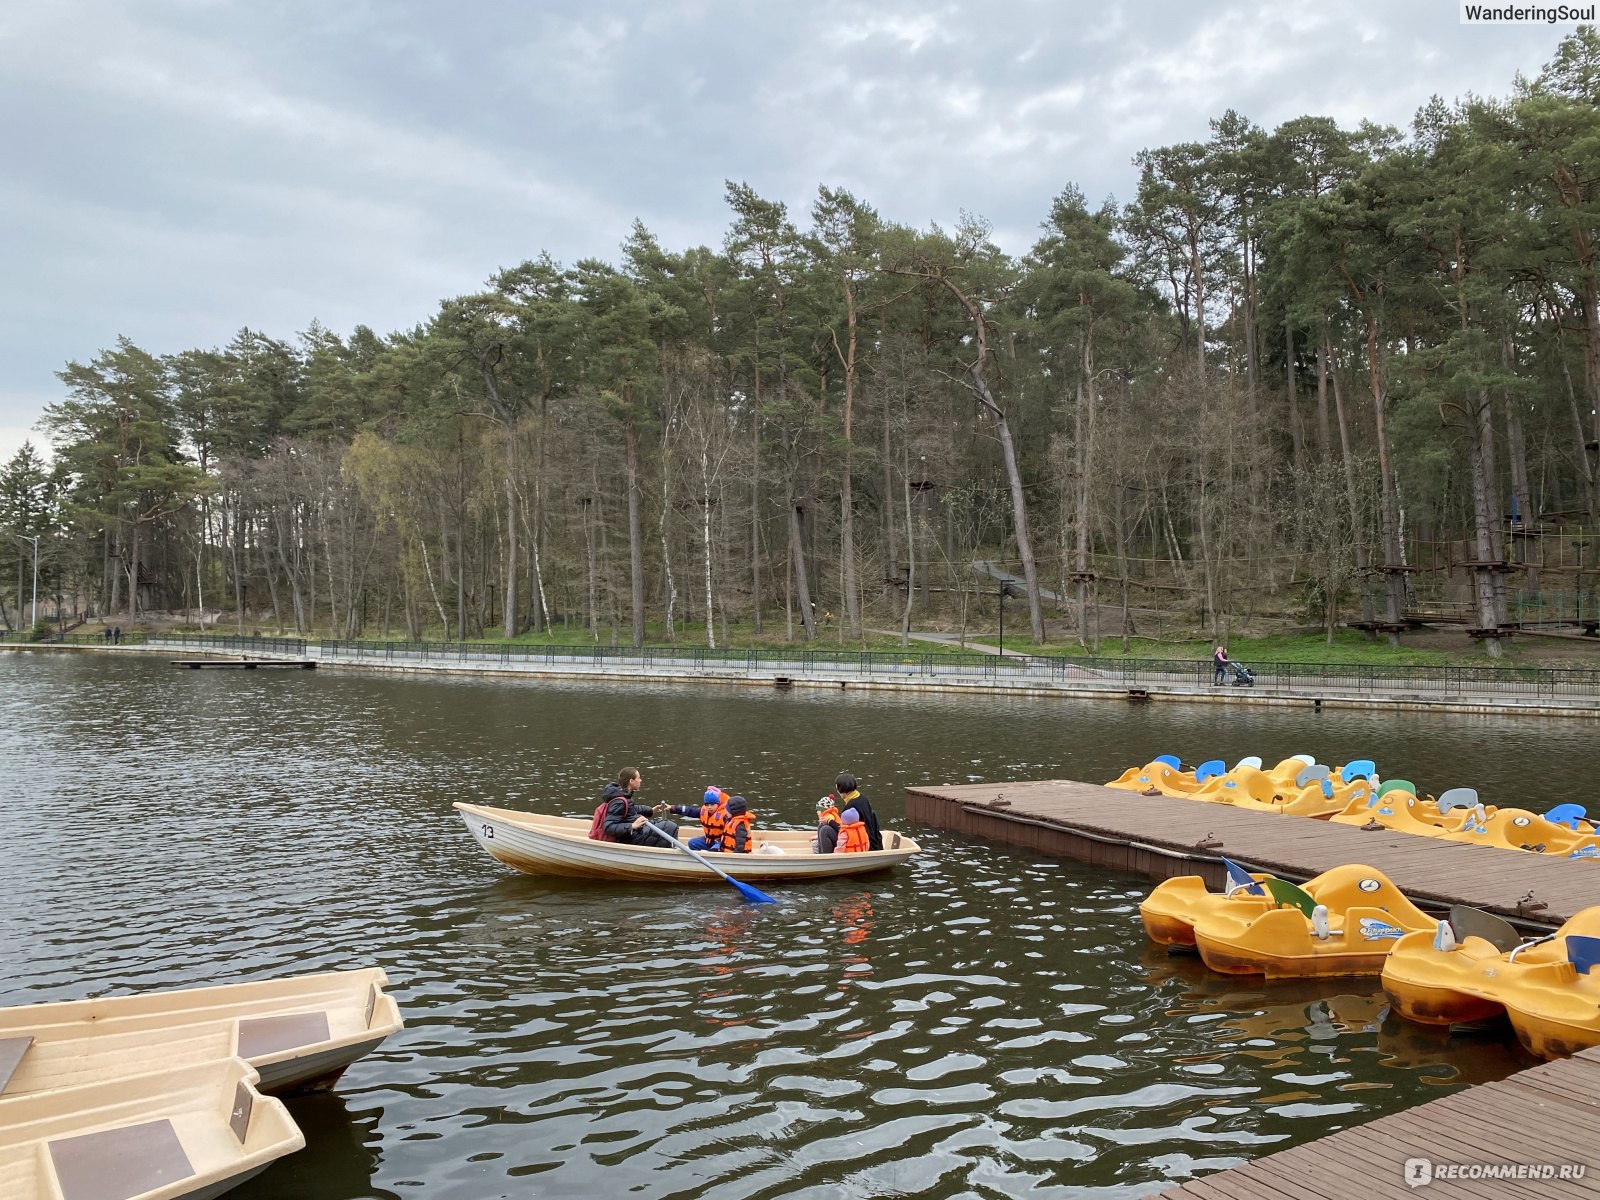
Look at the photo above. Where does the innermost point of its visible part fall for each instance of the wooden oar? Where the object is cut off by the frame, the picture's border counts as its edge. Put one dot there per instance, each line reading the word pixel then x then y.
pixel 754 895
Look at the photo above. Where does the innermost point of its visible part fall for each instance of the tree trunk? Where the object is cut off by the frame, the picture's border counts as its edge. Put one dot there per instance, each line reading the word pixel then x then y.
pixel 847 527
pixel 797 567
pixel 635 540
pixel 1481 431
pixel 1353 499
pixel 1252 370
pixel 590 572
pixel 1019 505
pixel 705 542
pixel 669 583
pixel 1083 438
pixel 1591 335
pixel 911 548
pixel 891 550
pixel 1297 436
pixel 1389 501
pixel 513 525
pixel 755 494
pixel 1324 435
pixel 1516 445
pixel 1586 465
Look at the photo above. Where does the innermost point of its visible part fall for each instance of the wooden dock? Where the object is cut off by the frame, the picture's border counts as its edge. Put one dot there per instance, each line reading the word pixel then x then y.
pixel 1539 1123
pixel 1163 836
pixel 245 664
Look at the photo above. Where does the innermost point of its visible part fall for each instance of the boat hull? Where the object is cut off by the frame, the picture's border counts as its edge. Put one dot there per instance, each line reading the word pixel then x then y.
pixel 187 1132
pixel 537 845
pixel 299 1033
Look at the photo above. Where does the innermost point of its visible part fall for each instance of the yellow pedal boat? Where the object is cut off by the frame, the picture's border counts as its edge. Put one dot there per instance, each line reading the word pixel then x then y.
pixel 1163 776
pixel 1519 829
pixel 1294 787
pixel 1548 988
pixel 1343 922
pixel 1173 906
pixel 1404 812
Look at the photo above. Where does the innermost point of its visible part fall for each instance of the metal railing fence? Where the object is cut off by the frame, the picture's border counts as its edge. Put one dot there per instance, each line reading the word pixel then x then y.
pixel 1019 668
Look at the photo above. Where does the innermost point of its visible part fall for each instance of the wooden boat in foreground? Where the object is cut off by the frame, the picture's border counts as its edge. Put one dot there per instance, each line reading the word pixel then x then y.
pixel 541 845
pixel 189 1133
pixel 300 1033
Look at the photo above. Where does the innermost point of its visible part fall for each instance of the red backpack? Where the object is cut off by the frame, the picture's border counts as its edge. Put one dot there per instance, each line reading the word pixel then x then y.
pixel 597 827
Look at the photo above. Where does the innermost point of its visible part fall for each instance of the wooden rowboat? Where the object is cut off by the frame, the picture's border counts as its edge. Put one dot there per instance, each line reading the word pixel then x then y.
pixel 189 1133
pixel 300 1033
pixel 561 846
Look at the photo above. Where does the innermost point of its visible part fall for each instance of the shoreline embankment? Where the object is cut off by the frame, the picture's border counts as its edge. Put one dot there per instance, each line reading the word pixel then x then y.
pixel 1461 690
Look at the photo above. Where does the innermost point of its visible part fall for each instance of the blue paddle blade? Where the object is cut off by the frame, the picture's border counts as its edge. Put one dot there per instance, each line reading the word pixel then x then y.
pixel 753 895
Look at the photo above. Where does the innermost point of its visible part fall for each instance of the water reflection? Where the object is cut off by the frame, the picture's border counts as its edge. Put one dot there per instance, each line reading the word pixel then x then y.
pixel 1306 1025
pixel 340 1156
pixel 985 1023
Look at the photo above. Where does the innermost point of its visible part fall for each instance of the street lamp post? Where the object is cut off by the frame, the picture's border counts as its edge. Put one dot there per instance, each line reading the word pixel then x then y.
pixel 1007 588
pixel 1002 615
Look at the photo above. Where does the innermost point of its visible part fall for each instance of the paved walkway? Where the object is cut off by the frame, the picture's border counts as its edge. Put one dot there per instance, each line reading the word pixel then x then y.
pixel 1467 690
pixel 941 639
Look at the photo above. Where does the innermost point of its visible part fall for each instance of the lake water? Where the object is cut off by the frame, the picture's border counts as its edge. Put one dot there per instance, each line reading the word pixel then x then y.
pixel 983 1023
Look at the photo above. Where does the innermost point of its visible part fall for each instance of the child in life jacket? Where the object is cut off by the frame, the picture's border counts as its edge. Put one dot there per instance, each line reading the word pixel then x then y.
pixel 712 815
pixel 827 826
pixel 738 834
pixel 852 833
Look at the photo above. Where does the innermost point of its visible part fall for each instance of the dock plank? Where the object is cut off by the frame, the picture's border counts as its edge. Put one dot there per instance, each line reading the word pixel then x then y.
pixel 1045 815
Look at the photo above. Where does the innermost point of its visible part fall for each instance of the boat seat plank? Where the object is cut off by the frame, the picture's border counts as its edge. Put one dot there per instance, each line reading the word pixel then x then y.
pixel 260 1036
pixel 115 1164
pixel 11 1051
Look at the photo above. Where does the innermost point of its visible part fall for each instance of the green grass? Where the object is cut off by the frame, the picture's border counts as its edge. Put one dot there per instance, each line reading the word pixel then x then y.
pixel 1349 647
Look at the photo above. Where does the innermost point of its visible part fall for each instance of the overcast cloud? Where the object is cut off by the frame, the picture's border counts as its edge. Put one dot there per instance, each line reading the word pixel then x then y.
pixel 177 169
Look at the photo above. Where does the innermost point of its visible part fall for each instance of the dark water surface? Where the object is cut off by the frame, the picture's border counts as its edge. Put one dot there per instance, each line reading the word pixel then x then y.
pixel 986 1023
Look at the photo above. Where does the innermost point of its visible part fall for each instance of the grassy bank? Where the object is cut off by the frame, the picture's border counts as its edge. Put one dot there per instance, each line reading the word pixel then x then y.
pixel 1420 648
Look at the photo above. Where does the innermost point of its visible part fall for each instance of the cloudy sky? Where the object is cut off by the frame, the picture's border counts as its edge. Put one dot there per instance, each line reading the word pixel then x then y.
pixel 176 169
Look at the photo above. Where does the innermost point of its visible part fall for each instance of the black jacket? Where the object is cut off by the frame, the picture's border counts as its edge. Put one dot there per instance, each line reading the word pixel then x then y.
pixel 621 812
pixel 868 818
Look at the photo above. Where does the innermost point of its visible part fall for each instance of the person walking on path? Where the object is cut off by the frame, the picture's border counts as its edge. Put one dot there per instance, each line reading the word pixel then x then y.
pixel 1219 659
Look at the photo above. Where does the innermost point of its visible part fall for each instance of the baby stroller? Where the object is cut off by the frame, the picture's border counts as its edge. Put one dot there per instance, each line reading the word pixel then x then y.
pixel 1243 676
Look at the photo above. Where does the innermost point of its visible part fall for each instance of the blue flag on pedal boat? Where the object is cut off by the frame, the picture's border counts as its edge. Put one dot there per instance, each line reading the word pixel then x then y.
pixel 1239 878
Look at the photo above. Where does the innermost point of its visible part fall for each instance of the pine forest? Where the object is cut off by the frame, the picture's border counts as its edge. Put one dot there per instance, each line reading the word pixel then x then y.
pixel 1314 375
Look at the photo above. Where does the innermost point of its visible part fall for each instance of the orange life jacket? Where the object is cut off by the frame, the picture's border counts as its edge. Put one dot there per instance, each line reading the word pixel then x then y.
pixel 730 833
pixel 828 814
pixel 714 820
pixel 852 838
